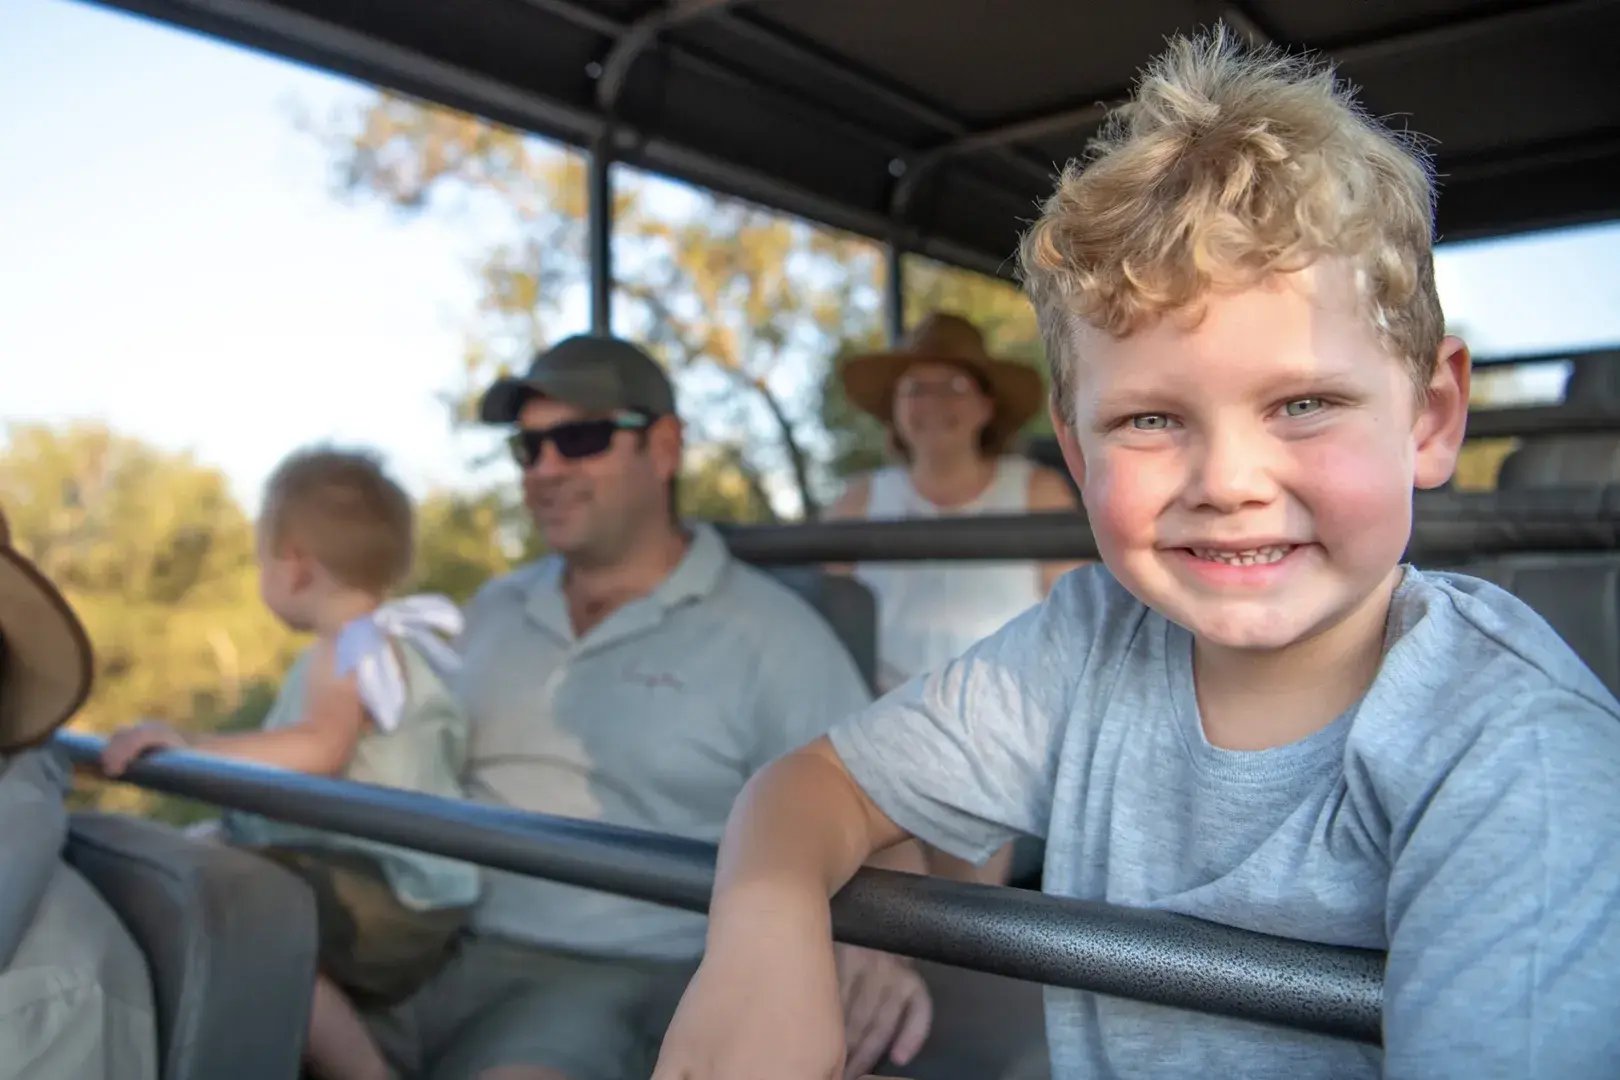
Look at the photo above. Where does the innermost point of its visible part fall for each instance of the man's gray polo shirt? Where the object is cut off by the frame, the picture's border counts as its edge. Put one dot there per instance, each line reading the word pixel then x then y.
pixel 655 719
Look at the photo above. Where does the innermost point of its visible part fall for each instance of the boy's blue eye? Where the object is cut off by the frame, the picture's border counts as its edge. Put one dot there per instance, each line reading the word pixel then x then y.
pixel 1150 422
pixel 1302 406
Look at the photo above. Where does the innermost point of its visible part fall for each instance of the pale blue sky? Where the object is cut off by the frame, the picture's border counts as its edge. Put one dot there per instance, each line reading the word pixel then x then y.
pixel 168 233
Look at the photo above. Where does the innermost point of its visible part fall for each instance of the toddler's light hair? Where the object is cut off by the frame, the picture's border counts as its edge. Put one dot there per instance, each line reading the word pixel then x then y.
pixel 1226 167
pixel 348 514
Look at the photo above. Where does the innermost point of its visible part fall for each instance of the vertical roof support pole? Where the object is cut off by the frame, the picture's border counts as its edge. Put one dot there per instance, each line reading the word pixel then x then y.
pixel 610 74
pixel 894 292
pixel 599 240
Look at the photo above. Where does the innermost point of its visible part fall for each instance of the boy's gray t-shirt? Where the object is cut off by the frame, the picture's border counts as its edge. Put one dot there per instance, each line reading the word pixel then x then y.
pixel 1465 816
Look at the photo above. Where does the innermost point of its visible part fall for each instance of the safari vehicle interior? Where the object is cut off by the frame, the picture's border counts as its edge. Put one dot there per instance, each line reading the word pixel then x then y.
pixel 933 126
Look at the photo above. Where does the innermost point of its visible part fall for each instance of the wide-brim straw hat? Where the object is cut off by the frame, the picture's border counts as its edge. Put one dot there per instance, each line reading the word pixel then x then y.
pixel 1016 390
pixel 45 658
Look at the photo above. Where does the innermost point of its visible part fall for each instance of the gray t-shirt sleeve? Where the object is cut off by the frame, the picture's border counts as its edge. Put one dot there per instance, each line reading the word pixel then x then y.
pixel 965 757
pixel 1504 903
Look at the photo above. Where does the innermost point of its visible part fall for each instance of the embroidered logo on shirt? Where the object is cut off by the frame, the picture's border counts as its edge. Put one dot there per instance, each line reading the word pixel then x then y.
pixel 653 680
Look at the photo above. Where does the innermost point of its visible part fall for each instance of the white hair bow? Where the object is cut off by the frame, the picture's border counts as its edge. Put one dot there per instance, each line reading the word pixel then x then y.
pixel 364 647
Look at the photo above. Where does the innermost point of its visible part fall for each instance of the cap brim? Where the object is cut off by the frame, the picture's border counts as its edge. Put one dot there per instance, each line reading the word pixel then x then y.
pixel 504 400
pixel 46 666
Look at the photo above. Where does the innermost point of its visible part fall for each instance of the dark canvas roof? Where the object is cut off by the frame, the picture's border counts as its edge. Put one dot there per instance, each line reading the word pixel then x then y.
pixel 954 112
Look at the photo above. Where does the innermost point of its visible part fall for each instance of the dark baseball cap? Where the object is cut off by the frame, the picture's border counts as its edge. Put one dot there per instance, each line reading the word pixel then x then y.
pixel 598 373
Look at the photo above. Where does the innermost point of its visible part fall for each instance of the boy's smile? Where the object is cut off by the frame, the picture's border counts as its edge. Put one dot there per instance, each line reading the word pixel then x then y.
pixel 1250 476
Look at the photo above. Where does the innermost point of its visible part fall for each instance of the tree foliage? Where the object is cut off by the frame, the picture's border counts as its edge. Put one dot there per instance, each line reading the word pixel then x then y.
pixel 135 537
pixel 464 540
pixel 158 561
pixel 749 309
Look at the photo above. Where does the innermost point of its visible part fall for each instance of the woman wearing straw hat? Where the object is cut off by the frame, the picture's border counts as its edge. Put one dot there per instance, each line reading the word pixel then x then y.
pixel 950 409
pixel 75 995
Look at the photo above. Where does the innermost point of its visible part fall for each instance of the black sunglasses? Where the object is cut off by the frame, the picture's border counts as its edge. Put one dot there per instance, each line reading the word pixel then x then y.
pixel 574 439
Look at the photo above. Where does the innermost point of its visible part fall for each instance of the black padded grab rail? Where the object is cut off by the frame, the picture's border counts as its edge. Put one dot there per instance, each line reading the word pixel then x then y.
pixel 1447 525
pixel 1145 955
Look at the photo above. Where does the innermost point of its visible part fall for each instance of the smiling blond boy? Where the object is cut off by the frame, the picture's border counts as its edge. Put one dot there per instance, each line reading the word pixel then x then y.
pixel 1253 712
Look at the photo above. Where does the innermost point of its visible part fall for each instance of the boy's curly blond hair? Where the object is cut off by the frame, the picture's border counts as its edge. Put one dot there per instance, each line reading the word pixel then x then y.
pixel 1228 166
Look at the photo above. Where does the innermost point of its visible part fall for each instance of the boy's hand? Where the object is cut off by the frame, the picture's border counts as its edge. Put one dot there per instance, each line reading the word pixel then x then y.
pixel 130 743
pixel 887 1009
pixel 740 1019
pixel 770 1010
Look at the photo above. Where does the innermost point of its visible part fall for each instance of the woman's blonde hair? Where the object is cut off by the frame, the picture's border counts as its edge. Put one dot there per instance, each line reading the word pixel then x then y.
pixel 1226 167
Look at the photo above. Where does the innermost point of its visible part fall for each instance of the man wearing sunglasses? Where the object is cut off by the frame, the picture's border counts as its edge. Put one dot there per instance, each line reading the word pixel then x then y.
pixel 636 675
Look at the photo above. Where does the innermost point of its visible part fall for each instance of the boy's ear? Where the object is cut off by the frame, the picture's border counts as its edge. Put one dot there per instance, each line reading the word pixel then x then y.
pixel 1068 444
pixel 1442 421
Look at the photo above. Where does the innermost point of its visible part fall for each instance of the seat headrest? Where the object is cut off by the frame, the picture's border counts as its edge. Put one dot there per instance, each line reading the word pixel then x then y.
pixel 1594 380
pixel 1582 458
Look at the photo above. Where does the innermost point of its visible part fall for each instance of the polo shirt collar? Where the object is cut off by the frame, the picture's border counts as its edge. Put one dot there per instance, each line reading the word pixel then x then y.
pixel 694 578
pixel 698 572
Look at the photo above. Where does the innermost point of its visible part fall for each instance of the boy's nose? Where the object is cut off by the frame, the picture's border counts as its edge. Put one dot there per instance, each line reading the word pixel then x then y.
pixel 1229 472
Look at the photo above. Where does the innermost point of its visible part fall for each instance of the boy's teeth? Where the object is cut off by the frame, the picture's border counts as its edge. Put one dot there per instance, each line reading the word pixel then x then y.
pixel 1253 557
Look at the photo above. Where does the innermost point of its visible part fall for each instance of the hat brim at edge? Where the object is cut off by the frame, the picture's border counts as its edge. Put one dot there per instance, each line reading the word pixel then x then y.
pixel 46 666
pixel 1017 390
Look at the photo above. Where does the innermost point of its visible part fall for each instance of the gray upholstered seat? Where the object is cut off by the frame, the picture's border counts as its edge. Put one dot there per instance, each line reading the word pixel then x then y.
pixel 1585 459
pixel 1578 593
pixel 1580 459
pixel 846 604
pixel 229 939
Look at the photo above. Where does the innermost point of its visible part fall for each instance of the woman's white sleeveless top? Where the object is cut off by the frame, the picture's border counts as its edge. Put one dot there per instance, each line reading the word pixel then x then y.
pixel 930 612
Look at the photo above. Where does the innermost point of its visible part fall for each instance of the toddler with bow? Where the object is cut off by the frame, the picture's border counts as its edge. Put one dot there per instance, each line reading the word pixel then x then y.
pixel 368 701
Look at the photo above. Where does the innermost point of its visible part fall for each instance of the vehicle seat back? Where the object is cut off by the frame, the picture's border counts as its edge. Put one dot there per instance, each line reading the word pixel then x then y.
pixel 229 938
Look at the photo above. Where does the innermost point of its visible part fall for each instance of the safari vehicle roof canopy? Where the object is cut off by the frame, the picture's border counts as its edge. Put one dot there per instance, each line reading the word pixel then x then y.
pixel 936 124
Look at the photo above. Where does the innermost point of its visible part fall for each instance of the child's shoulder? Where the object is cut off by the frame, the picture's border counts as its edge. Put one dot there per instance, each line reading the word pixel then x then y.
pixel 1464 629
pixel 1468 664
pixel 401 657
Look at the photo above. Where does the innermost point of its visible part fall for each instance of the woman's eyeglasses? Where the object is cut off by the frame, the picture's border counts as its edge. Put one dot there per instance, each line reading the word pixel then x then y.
pixel 574 439
pixel 954 386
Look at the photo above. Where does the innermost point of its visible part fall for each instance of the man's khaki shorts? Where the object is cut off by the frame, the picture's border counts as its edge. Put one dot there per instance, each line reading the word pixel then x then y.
pixel 503 1003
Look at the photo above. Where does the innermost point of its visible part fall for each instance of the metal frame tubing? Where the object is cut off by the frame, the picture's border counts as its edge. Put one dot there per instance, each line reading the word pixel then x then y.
pixel 894 293
pixel 988 537
pixel 1449 526
pixel 1145 955
pixel 1544 420
pixel 599 212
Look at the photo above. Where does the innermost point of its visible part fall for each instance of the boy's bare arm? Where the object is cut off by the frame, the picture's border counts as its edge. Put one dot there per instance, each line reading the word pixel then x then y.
pixel 766 999
pixel 802 827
